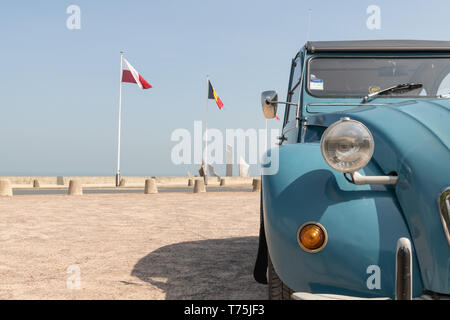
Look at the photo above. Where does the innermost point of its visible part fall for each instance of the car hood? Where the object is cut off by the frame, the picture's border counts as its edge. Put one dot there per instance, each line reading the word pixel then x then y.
pixel 412 138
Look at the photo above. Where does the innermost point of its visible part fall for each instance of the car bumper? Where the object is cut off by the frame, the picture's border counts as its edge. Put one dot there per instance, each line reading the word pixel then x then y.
pixel 311 296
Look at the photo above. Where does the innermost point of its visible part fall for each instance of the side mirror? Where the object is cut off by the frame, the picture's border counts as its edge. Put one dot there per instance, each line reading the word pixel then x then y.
pixel 269 101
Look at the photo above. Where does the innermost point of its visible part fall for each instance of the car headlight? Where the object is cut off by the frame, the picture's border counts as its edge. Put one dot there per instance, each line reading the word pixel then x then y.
pixel 347 145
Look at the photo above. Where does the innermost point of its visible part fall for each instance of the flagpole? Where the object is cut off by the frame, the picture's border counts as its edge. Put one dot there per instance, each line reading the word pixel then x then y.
pixel 265 144
pixel 206 133
pixel 120 114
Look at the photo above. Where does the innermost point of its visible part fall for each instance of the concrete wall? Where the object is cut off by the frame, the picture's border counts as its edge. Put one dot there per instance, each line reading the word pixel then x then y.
pixel 18 182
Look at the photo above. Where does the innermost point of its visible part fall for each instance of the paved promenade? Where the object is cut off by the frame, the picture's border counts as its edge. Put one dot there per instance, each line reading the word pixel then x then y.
pixel 129 246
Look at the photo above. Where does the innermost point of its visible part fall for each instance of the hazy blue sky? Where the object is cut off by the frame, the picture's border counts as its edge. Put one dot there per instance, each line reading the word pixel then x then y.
pixel 59 87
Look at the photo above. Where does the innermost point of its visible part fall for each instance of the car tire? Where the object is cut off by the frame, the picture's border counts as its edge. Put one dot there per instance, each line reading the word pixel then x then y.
pixel 277 289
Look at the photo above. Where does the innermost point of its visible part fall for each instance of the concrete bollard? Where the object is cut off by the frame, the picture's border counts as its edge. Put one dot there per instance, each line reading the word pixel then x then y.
pixel 60 180
pixel 256 185
pixel 150 186
pixel 5 188
pixel 36 183
pixel 222 182
pixel 122 183
pixel 199 186
pixel 75 188
pixel 190 183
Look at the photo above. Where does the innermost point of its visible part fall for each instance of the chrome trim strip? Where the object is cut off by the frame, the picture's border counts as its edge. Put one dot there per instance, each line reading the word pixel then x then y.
pixel 322 296
pixel 403 270
pixel 359 179
pixel 444 209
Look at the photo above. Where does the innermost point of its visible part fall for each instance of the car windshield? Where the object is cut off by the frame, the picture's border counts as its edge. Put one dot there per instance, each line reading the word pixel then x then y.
pixel 355 77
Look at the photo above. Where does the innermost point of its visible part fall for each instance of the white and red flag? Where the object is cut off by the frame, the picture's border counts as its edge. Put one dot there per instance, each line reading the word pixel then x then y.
pixel 129 74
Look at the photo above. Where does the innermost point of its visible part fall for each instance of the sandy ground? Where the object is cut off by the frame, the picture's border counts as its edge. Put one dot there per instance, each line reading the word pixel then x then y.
pixel 130 246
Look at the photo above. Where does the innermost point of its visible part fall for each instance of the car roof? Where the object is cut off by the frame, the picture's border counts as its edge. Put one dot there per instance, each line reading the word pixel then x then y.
pixel 378 45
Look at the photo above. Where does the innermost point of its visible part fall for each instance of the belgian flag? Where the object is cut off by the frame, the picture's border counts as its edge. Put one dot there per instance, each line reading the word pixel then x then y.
pixel 213 95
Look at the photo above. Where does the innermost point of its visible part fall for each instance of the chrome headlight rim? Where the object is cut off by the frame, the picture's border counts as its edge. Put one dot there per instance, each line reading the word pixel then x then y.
pixel 333 126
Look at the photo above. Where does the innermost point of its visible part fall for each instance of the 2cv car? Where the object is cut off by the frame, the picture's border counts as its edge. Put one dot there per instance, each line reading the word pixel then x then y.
pixel 359 204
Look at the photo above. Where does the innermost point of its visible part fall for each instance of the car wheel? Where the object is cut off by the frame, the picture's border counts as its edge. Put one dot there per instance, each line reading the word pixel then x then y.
pixel 277 289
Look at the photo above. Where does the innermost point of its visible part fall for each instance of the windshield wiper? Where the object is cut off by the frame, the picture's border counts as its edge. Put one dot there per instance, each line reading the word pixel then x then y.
pixel 400 88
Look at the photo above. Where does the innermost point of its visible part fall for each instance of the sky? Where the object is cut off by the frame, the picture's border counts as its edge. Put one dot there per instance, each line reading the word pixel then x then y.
pixel 59 87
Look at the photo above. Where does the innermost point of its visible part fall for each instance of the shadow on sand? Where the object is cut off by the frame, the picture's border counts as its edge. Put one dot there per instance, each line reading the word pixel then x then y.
pixel 207 269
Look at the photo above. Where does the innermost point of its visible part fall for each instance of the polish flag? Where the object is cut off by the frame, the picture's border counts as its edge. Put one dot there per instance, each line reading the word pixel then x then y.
pixel 129 74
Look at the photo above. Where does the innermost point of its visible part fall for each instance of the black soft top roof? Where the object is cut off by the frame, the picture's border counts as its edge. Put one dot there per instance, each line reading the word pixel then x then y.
pixel 378 45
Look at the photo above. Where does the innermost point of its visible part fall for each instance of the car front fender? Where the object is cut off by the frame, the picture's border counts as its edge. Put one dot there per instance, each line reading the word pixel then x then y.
pixel 363 224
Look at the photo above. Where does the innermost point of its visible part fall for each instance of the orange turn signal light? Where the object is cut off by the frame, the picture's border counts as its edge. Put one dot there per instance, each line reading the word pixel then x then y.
pixel 312 237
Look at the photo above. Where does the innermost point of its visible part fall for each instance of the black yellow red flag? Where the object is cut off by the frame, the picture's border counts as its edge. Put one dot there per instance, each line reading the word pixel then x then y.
pixel 213 95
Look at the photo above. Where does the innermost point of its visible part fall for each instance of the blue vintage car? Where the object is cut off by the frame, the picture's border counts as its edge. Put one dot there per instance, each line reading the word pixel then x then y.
pixel 359 204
